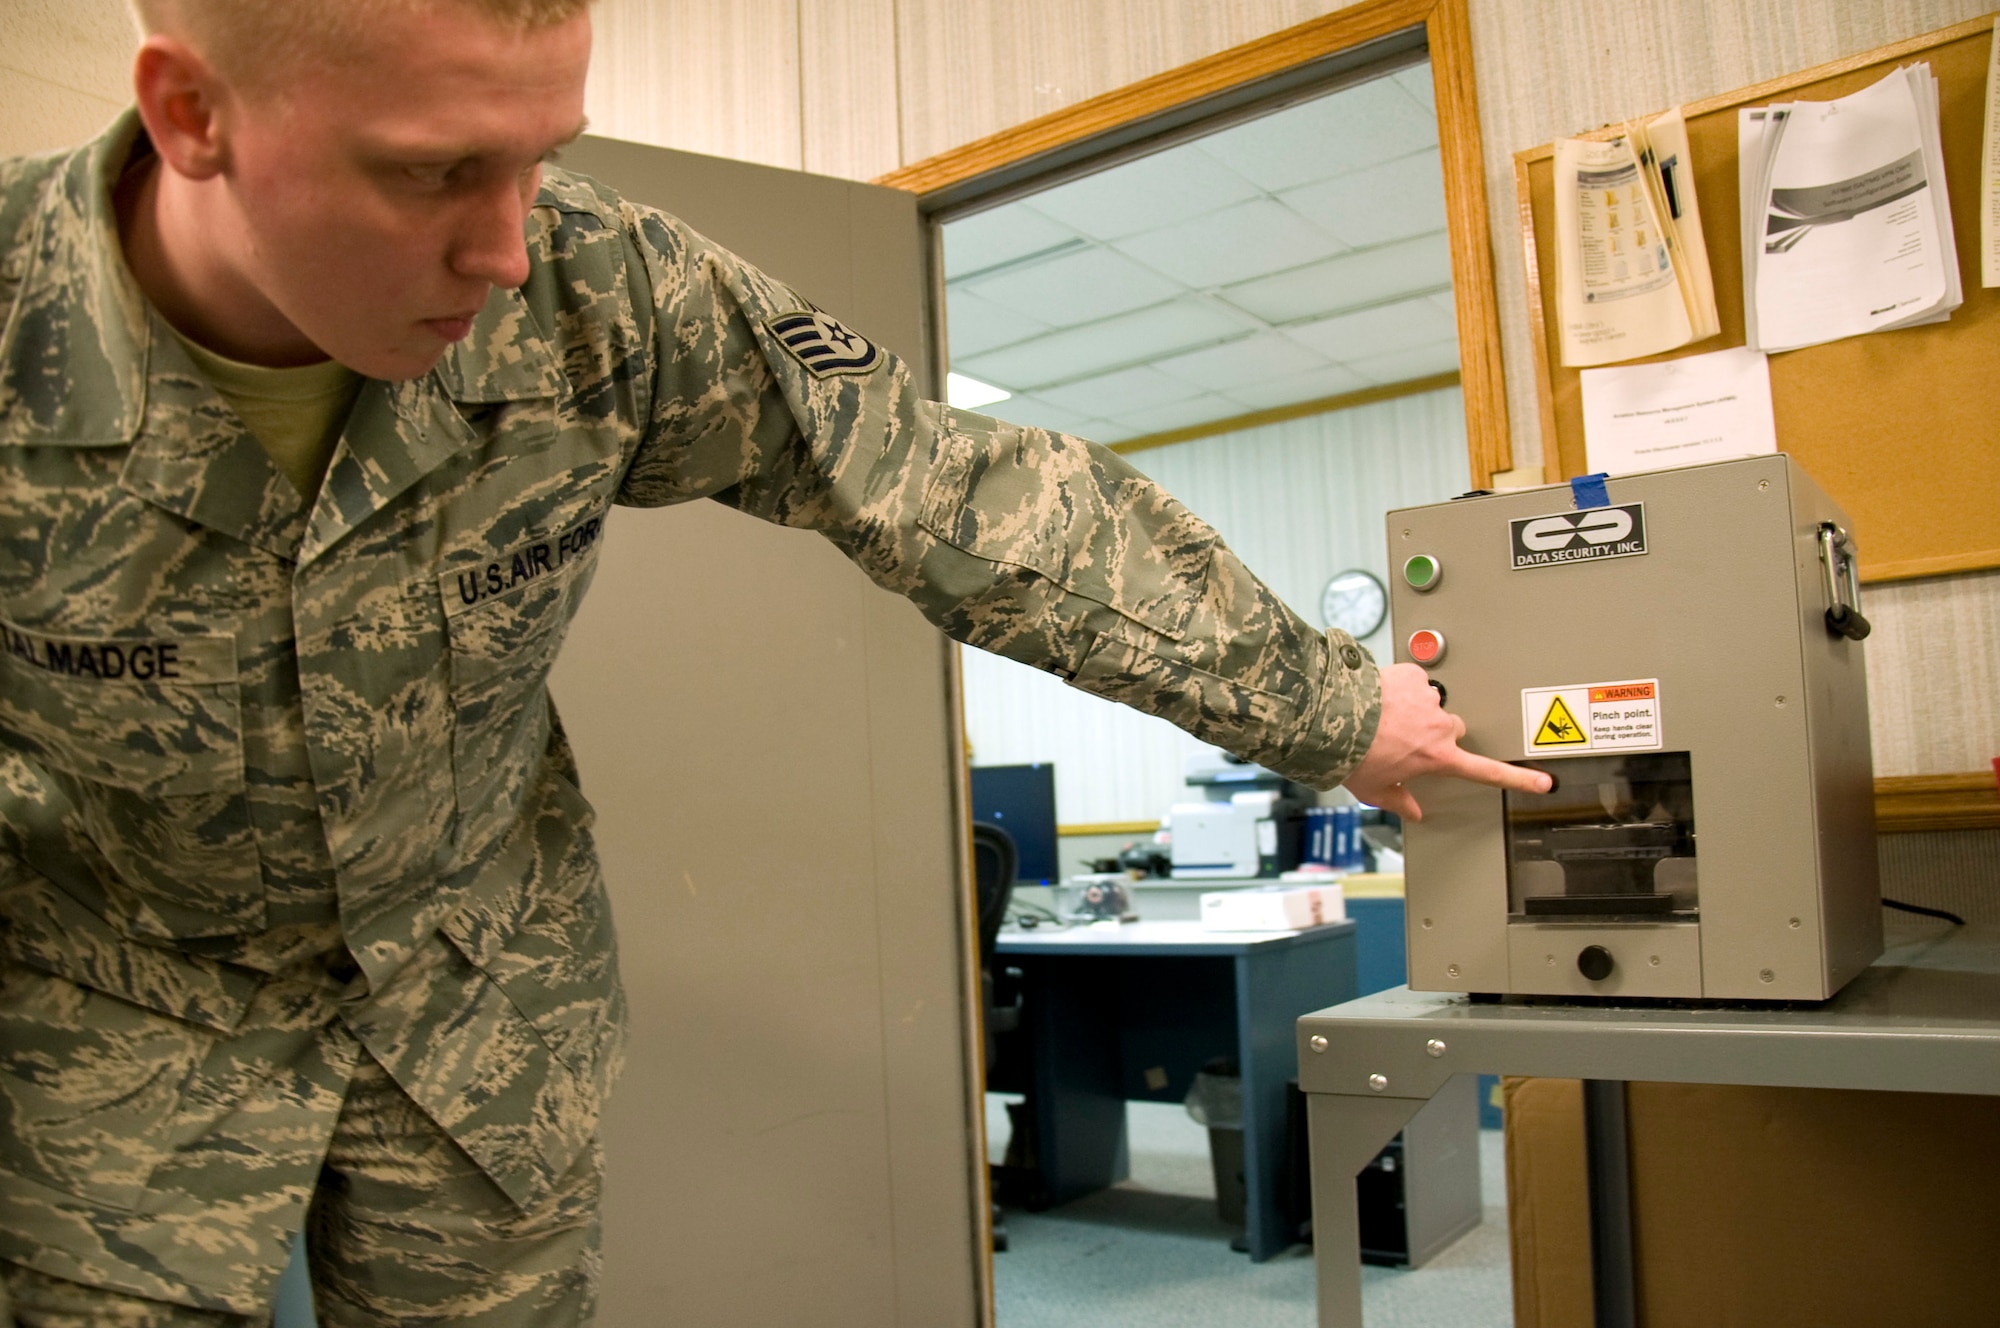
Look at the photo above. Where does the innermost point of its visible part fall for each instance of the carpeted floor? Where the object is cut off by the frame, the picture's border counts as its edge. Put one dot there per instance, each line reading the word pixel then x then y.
pixel 1152 1252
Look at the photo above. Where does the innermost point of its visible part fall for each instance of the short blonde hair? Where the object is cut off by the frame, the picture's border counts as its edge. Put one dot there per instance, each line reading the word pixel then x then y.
pixel 248 40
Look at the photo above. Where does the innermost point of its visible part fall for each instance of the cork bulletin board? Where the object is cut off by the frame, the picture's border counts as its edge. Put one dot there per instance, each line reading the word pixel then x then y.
pixel 1902 428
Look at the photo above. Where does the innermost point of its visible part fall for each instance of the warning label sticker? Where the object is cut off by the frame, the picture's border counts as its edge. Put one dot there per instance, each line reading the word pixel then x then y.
pixel 1591 717
pixel 1559 727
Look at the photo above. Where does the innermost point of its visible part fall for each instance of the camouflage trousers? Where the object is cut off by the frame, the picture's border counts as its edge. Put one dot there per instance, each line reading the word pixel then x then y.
pixel 403 1228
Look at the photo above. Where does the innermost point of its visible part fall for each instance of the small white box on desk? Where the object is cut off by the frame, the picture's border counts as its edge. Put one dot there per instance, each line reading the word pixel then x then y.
pixel 1273 908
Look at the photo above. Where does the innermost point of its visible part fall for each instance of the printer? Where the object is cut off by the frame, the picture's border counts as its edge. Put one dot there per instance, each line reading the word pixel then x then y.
pixel 1248 823
pixel 1681 649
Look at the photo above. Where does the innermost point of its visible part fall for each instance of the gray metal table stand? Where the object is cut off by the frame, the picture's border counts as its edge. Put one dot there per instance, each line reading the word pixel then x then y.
pixel 1925 1018
pixel 1119 1012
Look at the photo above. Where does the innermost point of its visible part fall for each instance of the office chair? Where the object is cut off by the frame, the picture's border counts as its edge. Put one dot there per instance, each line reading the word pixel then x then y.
pixel 995 862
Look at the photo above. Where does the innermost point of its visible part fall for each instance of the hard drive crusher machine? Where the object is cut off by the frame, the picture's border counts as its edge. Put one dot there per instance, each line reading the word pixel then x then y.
pixel 1682 650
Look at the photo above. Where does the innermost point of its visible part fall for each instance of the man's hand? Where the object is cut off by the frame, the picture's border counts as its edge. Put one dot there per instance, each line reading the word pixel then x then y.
pixel 1416 735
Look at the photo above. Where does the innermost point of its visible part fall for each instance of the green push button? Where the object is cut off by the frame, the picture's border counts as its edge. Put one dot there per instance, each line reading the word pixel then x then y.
pixel 1422 572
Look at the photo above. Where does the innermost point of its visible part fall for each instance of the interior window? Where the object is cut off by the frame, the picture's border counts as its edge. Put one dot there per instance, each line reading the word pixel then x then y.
pixel 1261 318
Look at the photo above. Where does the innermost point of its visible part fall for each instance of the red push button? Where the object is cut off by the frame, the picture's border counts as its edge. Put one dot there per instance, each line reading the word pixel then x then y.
pixel 1427 647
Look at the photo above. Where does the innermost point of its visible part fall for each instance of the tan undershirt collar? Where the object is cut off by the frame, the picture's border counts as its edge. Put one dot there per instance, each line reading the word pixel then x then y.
pixel 296 414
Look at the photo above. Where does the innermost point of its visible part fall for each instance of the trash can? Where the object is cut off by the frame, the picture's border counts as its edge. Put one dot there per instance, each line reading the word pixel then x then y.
pixel 1215 1099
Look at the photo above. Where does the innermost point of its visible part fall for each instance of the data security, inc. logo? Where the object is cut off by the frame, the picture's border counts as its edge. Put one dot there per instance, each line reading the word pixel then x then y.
pixel 1569 537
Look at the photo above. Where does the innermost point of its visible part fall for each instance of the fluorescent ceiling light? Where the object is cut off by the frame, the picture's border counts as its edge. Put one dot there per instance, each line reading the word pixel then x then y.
pixel 970 394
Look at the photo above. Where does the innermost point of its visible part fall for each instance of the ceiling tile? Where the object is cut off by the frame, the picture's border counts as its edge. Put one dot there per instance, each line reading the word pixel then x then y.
pixel 1204 409
pixel 1166 187
pixel 1403 365
pixel 1377 331
pixel 1392 201
pixel 1115 394
pixel 1330 381
pixel 1349 281
pixel 1078 287
pixel 1004 234
pixel 1107 432
pixel 1247 240
pixel 1345 131
pixel 1234 364
pixel 1115 343
pixel 977 324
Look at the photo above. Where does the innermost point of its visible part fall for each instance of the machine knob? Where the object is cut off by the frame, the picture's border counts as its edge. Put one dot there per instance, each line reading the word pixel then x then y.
pixel 1594 962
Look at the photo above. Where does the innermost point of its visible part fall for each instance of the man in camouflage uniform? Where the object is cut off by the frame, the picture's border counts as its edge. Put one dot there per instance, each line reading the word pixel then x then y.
pixel 300 921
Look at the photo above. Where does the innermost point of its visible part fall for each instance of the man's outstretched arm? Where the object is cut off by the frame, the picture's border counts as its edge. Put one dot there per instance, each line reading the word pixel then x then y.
pixel 1035 545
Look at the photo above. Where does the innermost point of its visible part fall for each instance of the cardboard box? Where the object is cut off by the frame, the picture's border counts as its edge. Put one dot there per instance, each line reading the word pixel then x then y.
pixel 1272 908
pixel 1766 1206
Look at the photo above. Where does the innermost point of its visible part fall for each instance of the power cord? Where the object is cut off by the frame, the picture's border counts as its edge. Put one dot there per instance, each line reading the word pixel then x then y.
pixel 1899 905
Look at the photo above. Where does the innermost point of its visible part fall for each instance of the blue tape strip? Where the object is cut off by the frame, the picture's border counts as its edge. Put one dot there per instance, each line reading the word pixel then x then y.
pixel 1588 491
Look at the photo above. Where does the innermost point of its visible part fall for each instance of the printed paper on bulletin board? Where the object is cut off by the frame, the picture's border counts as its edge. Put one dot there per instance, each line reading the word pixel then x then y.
pixel 1902 428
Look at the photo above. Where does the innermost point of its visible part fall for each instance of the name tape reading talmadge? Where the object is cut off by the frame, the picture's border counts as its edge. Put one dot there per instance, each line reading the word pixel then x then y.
pixel 204 659
pixel 1591 717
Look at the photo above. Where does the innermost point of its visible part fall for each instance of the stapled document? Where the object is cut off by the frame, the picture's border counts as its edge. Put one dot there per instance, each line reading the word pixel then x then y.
pixel 1846 227
pixel 1631 266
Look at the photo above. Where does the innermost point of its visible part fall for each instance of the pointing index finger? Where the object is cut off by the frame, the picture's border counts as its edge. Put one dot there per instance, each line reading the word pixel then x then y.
pixel 1486 770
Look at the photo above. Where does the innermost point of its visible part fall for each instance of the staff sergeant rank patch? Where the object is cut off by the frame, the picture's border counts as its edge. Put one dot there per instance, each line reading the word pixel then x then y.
pixel 823 346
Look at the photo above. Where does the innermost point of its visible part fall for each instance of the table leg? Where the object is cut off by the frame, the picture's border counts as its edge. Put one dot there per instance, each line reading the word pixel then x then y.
pixel 1347 1133
pixel 1273 989
pixel 1613 1290
pixel 1079 1108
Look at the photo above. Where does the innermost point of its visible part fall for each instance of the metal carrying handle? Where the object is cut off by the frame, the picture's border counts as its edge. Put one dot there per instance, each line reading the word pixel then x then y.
pixel 1843 585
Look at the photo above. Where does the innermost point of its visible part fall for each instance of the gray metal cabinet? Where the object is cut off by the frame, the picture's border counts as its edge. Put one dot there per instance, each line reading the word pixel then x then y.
pixel 770 743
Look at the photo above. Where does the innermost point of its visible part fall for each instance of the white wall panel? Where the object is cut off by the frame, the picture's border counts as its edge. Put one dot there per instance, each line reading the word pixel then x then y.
pixel 39 116
pixel 848 87
pixel 1934 674
pixel 65 71
pixel 1299 502
pixel 974 67
pixel 713 76
pixel 85 46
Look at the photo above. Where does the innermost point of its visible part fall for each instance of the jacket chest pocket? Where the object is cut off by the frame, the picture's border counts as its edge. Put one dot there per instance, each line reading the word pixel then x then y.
pixel 508 616
pixel 144 737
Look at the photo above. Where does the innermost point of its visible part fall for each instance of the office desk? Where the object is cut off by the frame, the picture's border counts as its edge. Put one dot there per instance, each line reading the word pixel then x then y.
pixel 1130 1011
pixel 1925 1018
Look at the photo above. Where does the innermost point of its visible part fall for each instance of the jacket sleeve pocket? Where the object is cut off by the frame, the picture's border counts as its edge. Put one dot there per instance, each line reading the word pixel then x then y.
pixel 1071 512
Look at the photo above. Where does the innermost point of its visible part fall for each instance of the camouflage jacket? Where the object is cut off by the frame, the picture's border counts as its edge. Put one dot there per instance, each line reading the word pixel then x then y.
pixel 237 733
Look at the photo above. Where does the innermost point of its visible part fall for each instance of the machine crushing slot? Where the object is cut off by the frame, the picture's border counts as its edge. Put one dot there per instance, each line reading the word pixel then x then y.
pixel 1613 840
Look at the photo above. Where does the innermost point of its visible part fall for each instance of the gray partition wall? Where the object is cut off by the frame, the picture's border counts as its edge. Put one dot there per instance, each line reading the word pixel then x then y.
pixel 770 743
